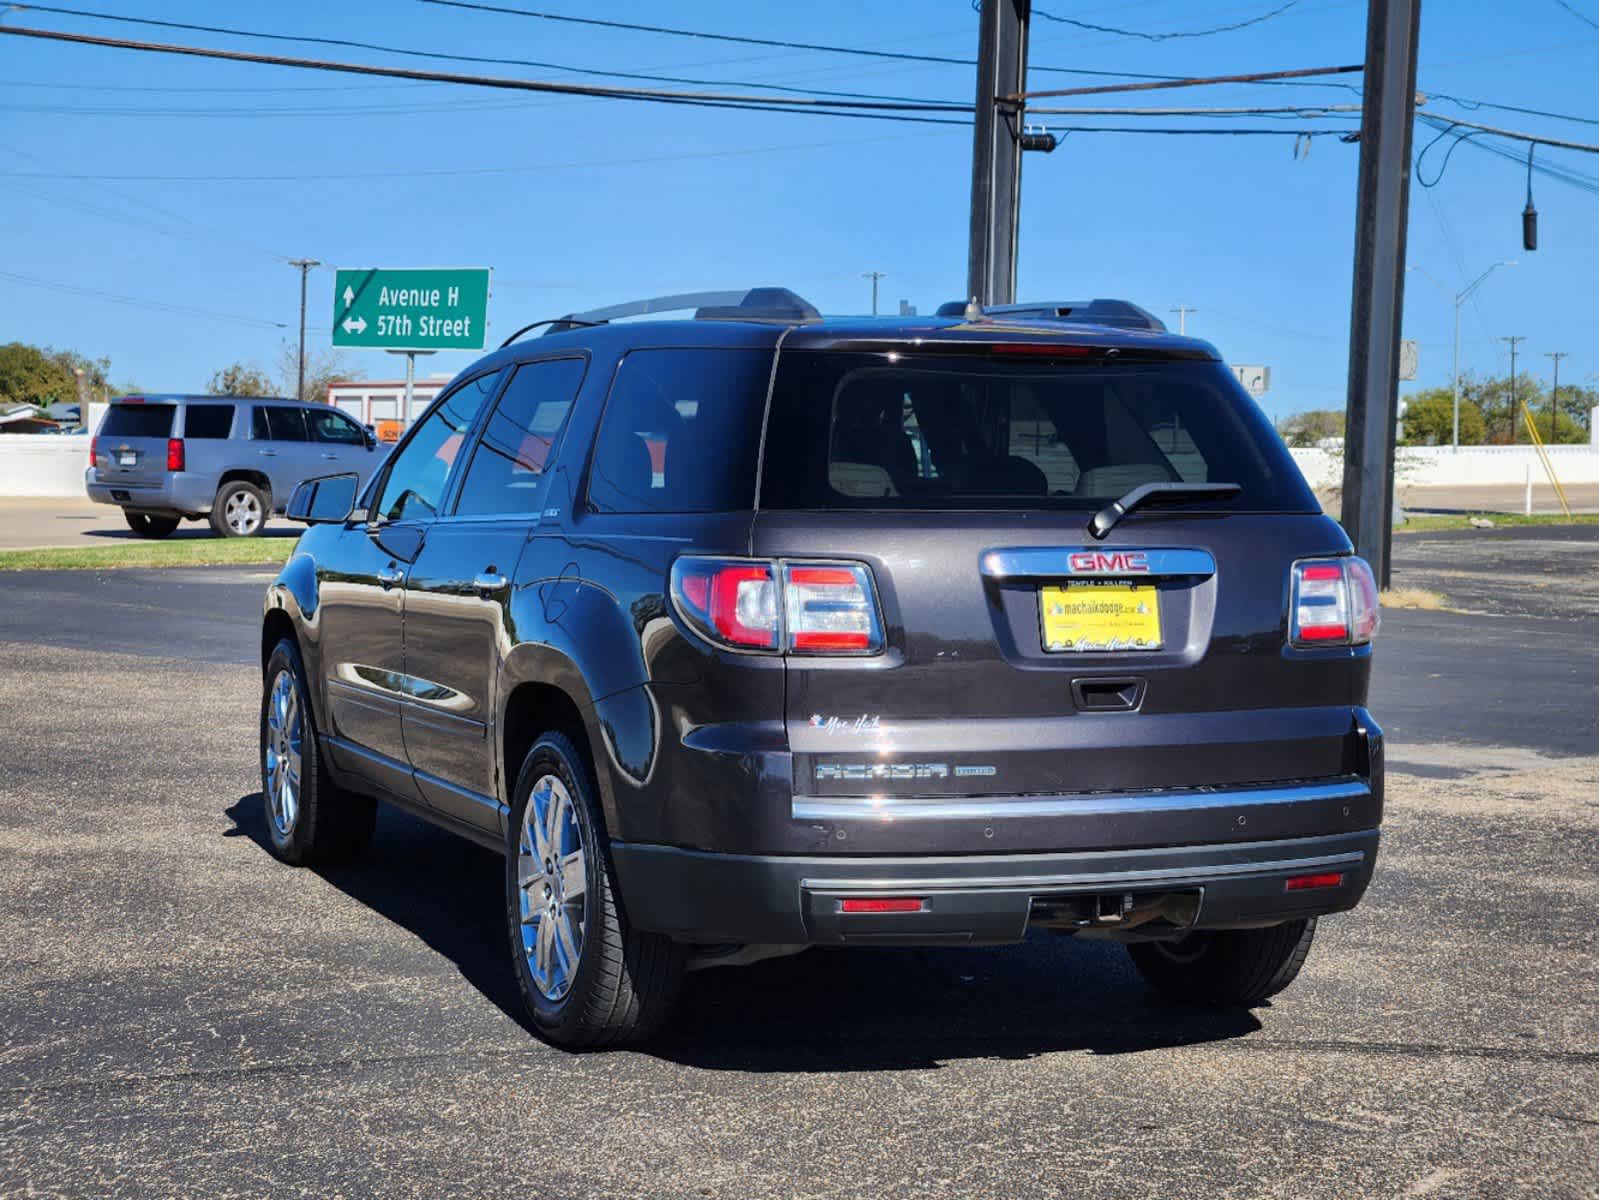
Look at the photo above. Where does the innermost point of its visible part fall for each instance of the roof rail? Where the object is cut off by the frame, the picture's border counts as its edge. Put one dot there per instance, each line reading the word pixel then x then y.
pixel 1120 314
pixel 748 304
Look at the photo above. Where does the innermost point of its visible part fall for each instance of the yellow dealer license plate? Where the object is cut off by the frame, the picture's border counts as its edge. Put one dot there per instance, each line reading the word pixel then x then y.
pixel 1094 614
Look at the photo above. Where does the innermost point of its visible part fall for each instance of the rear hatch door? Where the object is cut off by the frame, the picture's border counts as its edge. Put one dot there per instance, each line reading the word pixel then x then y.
pixel 1023 656
pixel 131 445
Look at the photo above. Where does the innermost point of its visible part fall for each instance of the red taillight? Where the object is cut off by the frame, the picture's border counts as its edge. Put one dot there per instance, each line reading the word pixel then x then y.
pixel 733 602
pixel 1333 603
pixel 174 454
pixel 1309 883
pixel 882 904
pixel 825 608
pixel 94 450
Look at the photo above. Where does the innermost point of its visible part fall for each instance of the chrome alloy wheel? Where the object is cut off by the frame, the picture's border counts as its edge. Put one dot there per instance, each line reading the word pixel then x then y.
pixel 242 512
pixel 284 731
pixel 553 885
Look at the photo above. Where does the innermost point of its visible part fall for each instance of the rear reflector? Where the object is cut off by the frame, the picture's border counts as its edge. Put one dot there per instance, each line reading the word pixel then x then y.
pixel 1308 883
pixel 1333 603
pixel 882 904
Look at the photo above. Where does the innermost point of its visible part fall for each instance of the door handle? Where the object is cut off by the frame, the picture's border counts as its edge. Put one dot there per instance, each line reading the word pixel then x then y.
pixel 389 576
pixel 489 582
pixel 331 457
pixel 269 454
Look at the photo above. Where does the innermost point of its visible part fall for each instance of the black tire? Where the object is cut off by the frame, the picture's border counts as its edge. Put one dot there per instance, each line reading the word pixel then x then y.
pixel 1235 968
pixel 330 825
pixel 147 525
pixel 626 983
pixel 234 500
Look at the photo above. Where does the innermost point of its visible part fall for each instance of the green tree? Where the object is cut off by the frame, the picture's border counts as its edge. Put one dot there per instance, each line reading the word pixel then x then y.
pixel 1500 410
pixel 1576 411
pixel 30 375
pixel 95 370
pixel 1308 428
pixel 1430 419
pixel 239 379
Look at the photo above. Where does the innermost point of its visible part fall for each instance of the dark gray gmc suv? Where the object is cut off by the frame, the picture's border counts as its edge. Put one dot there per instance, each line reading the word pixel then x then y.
pixel 759 631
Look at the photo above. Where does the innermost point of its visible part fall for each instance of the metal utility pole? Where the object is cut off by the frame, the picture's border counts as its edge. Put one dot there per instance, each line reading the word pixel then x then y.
pixel 997 151
pixel 1460 298
pixel 1383 206
pixel 305 265
pixel 874 276
pixel 1514 342
pixel 1182 311
pixel 1554 394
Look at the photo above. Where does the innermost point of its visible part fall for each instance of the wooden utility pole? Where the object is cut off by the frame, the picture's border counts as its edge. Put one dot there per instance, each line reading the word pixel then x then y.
pixel 1382 208
pixel 997 151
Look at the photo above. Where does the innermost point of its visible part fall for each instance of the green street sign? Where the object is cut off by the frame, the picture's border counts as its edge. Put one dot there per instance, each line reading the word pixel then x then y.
pixel 423 309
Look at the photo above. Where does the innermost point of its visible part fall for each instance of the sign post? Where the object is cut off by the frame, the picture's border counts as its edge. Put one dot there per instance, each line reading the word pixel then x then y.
pixel 423 309
pixel 408 410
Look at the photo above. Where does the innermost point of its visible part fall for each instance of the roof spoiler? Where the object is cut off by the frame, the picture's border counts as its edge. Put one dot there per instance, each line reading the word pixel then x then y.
pixel 1120 314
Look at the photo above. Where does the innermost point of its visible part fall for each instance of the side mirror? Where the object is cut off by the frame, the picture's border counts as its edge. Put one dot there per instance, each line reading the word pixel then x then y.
pixel 326 501
pixel 371 436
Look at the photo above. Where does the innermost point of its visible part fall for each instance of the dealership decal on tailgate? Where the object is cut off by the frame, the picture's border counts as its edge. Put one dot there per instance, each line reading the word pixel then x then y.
pixel 1094 614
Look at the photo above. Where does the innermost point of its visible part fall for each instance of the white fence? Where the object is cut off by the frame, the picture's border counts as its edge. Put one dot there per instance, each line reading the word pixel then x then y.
pixel 1417 466
pixel 43 464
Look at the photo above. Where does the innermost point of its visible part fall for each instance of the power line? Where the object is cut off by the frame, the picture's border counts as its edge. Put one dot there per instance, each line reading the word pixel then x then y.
pixel 1515 134
pixel 446 172
pixel 137 302
pixel 875 110
pixel 1581 16
pixel 703 35
pixel 409 52
pixel 1466 102
pixel 1147 36
pixel 1174 81
pixel 819 47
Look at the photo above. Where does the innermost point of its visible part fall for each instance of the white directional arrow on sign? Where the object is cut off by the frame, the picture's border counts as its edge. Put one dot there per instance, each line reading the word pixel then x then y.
pixel 349 295
pixel 354 324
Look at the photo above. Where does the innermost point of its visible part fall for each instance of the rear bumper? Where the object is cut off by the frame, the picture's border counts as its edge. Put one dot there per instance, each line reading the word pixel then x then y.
pixel 178 492
pixel 695 896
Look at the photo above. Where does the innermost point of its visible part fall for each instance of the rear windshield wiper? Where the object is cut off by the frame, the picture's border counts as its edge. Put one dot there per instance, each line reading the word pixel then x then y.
pixel 1146 494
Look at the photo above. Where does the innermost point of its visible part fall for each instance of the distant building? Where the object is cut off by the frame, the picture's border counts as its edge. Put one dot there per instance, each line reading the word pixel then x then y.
pixel 378 402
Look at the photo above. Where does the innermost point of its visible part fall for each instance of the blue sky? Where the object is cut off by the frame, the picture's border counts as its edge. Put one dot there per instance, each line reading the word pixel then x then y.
pixel 578 202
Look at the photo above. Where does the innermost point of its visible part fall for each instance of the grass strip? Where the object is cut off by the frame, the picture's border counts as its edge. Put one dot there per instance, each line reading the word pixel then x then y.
pixel 187 552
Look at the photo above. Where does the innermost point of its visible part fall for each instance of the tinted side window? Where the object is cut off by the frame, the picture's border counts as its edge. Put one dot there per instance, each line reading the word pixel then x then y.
pixel 681 432
pixel 278 424
pixel 138 421
pixel 420 470
pixel 330 425
pixel 207 420
pixel 508 465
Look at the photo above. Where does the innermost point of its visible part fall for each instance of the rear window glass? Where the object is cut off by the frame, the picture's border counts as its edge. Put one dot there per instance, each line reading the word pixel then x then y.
pixel 856 430
pixel 138 421
pixel 681 432
pixel 207 420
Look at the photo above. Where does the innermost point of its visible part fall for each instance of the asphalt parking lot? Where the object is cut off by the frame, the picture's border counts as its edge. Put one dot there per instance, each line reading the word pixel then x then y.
pixel 182 1015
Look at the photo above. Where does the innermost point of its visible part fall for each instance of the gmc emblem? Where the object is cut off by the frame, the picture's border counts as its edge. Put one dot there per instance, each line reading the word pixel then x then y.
pixel 1114 562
